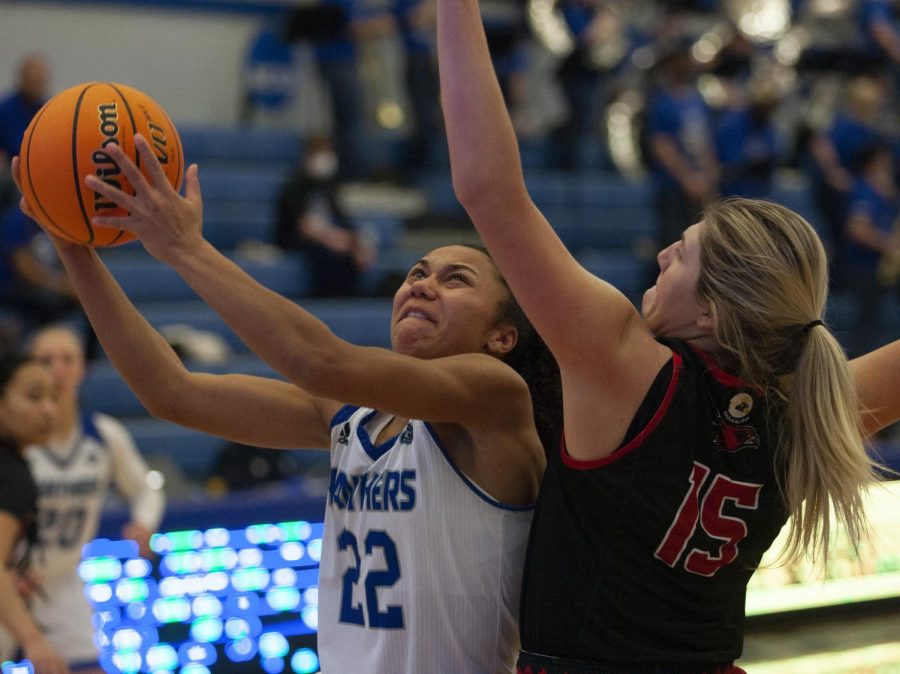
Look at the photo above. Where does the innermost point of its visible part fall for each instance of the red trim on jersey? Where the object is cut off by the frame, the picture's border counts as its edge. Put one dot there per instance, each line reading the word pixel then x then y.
pixel 638 439
pixel 721 376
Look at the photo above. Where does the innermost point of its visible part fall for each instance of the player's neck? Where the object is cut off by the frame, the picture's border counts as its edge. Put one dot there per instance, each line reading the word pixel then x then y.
pixel 68 418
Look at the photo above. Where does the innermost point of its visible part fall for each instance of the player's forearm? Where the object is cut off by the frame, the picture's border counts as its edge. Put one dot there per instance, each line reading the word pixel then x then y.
pixel 140 354
pixel 484 155
pixel 288 338
pixel 14 615
pixel 148 507
pixel 877 376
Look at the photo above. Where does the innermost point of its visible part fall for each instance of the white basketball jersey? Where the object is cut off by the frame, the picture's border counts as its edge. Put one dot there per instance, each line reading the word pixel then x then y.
pixel 420 569
pixel 74 477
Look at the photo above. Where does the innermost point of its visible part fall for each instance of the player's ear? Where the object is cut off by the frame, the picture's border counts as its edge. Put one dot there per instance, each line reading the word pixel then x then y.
pixel 705 320
pixel 502 340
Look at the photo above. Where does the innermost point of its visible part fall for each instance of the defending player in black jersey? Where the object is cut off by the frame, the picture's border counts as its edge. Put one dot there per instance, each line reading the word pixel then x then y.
pixel 693 429
pixel 28 413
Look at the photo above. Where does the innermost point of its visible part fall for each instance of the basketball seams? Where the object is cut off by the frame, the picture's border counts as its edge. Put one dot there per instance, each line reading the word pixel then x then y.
pixel 76 174
pixel 31 186
pixel 49 168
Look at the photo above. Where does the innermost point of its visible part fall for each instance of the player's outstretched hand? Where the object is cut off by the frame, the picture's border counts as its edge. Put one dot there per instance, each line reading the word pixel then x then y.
pixel 167 224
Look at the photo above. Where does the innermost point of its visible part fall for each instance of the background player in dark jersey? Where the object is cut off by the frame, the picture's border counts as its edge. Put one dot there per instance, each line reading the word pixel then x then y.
pixel 692 431
pixel 27 414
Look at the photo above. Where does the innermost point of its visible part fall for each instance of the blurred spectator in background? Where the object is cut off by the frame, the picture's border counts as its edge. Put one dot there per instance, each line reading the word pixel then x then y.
pixel 507 37
pixel 416 23
pixel 877 21
pixel 74 469
pixel 747 144
pixel 592 24
pixel 835 153
pixel 679 144
pixel 34 289
pixel 309 218
pixel 335 28
pixel 870 234
pixel 18 107
pixel 16 111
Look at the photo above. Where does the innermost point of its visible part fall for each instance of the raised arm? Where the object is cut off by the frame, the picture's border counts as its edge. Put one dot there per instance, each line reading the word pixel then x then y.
pixel 290 339
pixel 606 354
pixel 877 376
pixel 251 410
pixel 574 312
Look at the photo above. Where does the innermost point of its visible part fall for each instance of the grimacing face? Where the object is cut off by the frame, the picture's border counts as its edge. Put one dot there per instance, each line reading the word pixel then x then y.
pixel 448 305
pixel 28 407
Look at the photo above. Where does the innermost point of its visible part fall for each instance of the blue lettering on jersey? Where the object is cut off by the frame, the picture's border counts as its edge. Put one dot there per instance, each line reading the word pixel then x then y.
pixel 393 490
pixel 58 488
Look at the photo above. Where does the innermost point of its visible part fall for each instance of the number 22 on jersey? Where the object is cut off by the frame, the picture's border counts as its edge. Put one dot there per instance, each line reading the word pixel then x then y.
pixel 391 617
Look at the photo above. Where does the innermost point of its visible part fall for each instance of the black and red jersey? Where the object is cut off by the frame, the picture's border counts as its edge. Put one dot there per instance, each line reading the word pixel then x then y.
pixel 644 556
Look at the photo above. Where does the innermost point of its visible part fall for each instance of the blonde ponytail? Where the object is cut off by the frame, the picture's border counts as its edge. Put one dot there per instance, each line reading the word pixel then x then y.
pixel 827 467
pixel 763 274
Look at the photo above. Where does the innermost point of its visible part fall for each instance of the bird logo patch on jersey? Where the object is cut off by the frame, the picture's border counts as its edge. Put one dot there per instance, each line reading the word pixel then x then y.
pixel 734 433
pixel 739 408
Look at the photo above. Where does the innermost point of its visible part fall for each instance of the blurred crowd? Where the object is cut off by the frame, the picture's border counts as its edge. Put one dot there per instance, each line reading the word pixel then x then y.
pixel 702 99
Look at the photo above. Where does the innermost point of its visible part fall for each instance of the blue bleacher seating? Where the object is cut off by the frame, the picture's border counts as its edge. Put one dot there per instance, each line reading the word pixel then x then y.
pixel 144 278
pixel 190 450
pixel 104 390
pixel 243 184
pixel 364 321
pixel 209 144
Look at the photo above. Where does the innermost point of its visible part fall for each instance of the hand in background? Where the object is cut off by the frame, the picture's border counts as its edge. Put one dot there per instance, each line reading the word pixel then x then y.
pixel 141 535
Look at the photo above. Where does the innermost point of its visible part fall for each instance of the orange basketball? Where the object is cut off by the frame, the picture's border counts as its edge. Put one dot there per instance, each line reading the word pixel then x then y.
pixel 66 140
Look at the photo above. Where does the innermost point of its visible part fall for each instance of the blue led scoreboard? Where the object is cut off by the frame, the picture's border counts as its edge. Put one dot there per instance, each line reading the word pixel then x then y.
pixel 216 601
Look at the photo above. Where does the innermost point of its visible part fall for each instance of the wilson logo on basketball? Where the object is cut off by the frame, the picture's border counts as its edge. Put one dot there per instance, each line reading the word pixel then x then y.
pixel 158 141
pixel 70 137
pixel 106 169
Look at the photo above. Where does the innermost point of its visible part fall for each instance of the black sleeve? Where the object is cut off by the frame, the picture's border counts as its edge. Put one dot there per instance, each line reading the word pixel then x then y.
pixel 17 490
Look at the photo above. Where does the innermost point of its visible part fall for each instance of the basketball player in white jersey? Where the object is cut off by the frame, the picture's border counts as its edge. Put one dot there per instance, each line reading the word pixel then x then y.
pixel 436 453
pixel 74 470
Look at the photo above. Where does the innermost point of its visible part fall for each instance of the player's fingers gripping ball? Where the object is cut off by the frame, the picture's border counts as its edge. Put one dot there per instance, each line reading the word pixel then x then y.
pixel 68 139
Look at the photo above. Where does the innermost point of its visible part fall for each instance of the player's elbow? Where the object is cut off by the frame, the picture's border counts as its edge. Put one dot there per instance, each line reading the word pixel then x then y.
pixel 170 401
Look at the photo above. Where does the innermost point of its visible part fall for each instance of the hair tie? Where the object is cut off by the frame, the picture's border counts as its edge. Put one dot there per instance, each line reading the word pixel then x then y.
pixel 809 326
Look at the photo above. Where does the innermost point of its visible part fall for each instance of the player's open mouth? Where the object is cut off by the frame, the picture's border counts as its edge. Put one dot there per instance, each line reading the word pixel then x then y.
pixel 416 313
